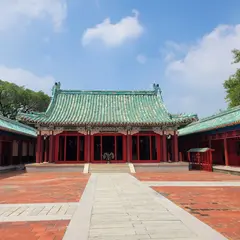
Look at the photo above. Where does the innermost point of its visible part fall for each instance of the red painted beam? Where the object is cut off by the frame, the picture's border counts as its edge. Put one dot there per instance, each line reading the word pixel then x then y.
pixel 38 152
pixel 51 148
pixel 164 148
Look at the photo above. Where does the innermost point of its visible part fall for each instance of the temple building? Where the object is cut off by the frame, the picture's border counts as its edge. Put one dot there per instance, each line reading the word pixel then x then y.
pixel 17 142
pixel 220 132
pixel 106 126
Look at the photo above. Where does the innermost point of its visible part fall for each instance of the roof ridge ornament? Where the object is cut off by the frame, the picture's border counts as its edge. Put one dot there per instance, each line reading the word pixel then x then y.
pixel 56 87
pixel 157 90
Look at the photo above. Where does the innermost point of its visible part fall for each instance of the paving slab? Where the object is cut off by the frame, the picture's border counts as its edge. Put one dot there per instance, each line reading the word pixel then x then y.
pixel 37 212
pixel 192 184
pixel 118 206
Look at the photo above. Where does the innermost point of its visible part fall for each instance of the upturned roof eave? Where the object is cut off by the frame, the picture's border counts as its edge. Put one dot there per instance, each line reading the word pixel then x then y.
pixel 18 132
pixel 208 129
pixel 46 122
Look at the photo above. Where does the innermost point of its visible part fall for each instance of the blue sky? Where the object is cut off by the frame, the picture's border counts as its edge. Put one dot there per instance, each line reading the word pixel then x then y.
pixel 185 46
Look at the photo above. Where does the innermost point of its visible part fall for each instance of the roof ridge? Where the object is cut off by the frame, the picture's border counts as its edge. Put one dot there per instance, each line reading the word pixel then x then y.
pixel 120 92
pixel 216 115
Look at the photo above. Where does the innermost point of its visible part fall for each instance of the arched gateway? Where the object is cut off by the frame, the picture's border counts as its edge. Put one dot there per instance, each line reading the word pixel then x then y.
pixel 106 126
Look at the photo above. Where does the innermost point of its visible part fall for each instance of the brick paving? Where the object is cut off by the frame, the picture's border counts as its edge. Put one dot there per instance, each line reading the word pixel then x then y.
pixel 39 187
pixel 219 207
pixel 44 230
pixel 186 176
pixel 38 192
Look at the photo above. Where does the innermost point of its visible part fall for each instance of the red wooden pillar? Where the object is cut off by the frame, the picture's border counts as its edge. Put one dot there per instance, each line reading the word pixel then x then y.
pixel 164 147
pixel 46 149
pixel 129 136
pixel 175 139
pixel 124 137
pixel 65 148
pixel 90 147
pixel 226 151
pixel 39 149
pixel 50 158
pixel 158 139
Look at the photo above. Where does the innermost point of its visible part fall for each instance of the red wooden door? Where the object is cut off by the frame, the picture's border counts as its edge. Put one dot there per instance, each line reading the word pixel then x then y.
pixel 108 148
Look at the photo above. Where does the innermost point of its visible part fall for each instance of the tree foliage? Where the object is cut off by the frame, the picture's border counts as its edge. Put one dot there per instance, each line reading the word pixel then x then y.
pixel 14 98
pixel 232 85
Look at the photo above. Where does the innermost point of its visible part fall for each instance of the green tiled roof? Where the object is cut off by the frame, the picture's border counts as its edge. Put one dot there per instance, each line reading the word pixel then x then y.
pixel 223 119
pixel 16 127
pixel 199 149
pixel 81 108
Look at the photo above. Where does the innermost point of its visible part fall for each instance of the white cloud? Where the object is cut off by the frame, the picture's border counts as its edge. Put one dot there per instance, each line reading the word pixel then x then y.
pixel 114 34
pixel 200 73
pixel 15 11
pixel 141 58
pixel 26 78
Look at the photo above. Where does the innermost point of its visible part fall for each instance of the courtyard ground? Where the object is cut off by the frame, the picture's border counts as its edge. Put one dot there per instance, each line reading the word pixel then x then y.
pixel 40 206
pixel 217 206
pixel 38 189
pixel 42 187
pixel 186 176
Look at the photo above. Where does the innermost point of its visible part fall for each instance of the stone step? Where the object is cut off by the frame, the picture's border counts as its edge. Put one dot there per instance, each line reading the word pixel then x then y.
pixel 109 168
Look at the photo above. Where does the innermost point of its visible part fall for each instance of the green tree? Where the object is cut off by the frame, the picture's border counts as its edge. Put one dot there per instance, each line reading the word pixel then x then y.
pixel 232 85
pixel 14 98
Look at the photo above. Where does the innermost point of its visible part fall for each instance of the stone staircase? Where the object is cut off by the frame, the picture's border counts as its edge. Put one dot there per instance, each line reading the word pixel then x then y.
pixel 109 168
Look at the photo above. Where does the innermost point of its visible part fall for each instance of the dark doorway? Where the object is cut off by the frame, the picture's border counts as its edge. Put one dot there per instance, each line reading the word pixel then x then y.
pixel 218 156
pixel 6 153
pixel 81 148
pixel 97 148
pixel 61 148
pixel 169 148
pixel 144 148
pixel 108 148
pixel 71 148
pixel 119 152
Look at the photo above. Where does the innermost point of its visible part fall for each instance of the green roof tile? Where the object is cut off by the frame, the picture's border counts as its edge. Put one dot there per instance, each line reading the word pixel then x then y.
pixel 78 108
pixel 193 150
pixel 9 125
pixel 223 119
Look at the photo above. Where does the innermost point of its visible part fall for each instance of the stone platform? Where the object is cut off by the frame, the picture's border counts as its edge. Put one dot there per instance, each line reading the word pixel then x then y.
pixel 162 167
pixel 52 167
pixel 227 169
pixel 11 168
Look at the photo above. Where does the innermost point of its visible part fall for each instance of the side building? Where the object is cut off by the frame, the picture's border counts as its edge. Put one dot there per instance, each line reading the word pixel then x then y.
pixel 221 132
pixel 103 126
pixel 17 142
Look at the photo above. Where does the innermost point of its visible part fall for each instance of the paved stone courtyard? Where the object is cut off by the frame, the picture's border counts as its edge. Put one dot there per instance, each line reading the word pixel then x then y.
pixel 219 207
pixel 119 206
pixel 49 187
